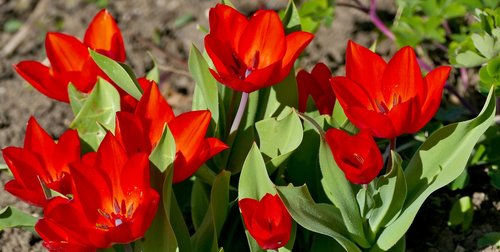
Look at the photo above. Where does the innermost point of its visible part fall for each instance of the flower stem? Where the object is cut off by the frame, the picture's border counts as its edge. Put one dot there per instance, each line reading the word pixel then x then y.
pixel 127 248
pixel 393 144
pixel 318 128
pixel 378 23
pixel 239 113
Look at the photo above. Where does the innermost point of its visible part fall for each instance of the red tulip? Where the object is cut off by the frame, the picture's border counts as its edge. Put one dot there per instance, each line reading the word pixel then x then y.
pixel 142 132
pixel 389 99
pixel 317 85
pixel 70 60
pixel 250 54
pixel 41 161
pixel 113 201
pixel 267 221
pixel 357 156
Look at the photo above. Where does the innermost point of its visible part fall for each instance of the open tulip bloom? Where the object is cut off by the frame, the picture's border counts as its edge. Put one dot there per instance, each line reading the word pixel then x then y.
pixel 70 61
pixel 132 175
pixel 389 99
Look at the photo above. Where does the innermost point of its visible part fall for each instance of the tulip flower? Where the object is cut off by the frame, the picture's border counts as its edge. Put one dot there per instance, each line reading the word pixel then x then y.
pixel 357 156
pixel 41 164
pixel 267 221
pixel 317 85
pixel 142 131
pixel 70 60
pixel 389 99
pixel 250 54
pixel 113 201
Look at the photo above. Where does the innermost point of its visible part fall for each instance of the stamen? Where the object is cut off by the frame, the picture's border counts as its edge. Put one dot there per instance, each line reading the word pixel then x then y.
pixel 359 158
pixel 116 206
pixel 382 107
pixel 104 214
pixel 256 59
pixel 102 226
pixel 236 60
pixel 130 210
pixel 124 207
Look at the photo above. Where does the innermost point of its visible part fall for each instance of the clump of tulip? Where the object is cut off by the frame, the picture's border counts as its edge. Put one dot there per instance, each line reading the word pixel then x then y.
pixel 130 175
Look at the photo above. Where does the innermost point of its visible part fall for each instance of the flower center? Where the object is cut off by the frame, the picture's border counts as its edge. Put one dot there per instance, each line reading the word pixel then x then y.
pixel 120 214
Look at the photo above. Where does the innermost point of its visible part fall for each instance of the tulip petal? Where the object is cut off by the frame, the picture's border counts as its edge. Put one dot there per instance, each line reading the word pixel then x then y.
pixel 189 131
pixel 39 76
pixel 296 42
pixel 402 78
pixel 365 68
pixel 224 59
pixel 379 124
pixel 433 90
pixel 351 94
pixel 103 35
pixel 317 85
pixel 65 52
pixel 226 24
pixel 154 112
pixel 263 40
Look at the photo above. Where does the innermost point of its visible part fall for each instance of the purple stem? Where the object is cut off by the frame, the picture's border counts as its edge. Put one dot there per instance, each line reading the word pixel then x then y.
pixel 239 113
pixel 424 65
pixel 377 22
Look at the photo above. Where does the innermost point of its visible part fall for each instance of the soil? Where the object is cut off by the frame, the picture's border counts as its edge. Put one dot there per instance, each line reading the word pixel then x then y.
pixel 154 26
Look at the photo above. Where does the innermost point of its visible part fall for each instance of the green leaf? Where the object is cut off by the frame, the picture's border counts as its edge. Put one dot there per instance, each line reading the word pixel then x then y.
pixel 97 111
pixel 227 2
pixel 489 239
pixel 484 44
pixel 160 236
pixel 254 182
pixel 291 18
pixel 340 192
pixel 462 213
pixel 76 98
pixel 461 181
pixel 163 154
pixel 121 74
pixel 391 194
pixel 198 68
pixel 470 59
pixel 199 203
pixel 279 137
pixel 320 218
pixel 3 167
pixel 206 237
pixel 12 217
pixel 430 170
pixel 154 73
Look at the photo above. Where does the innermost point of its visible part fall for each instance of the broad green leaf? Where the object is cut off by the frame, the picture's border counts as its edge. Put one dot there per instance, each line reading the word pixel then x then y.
pixel 254 182
pixel 12 217
pixel 489 239
pixel 198 68
pixel 461 181
pixel 206 237
pixel 199 203
pixel 279 137
pixel 430 169
pixel 154 73
pixel 291 18
pixel 320 218
pixel 97 111
pixel 227 2
pixel 121 74
pixel 390 196
pixel 462 213
pixel 160 236
pixel 163 154
pixel 76 99
pixel 179 226
pixel 340 192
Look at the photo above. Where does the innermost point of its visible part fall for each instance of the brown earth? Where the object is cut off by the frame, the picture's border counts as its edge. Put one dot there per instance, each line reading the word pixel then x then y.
pixel 153 25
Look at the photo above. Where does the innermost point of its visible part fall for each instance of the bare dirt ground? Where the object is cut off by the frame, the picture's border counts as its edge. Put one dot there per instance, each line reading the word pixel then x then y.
pixel 154 26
